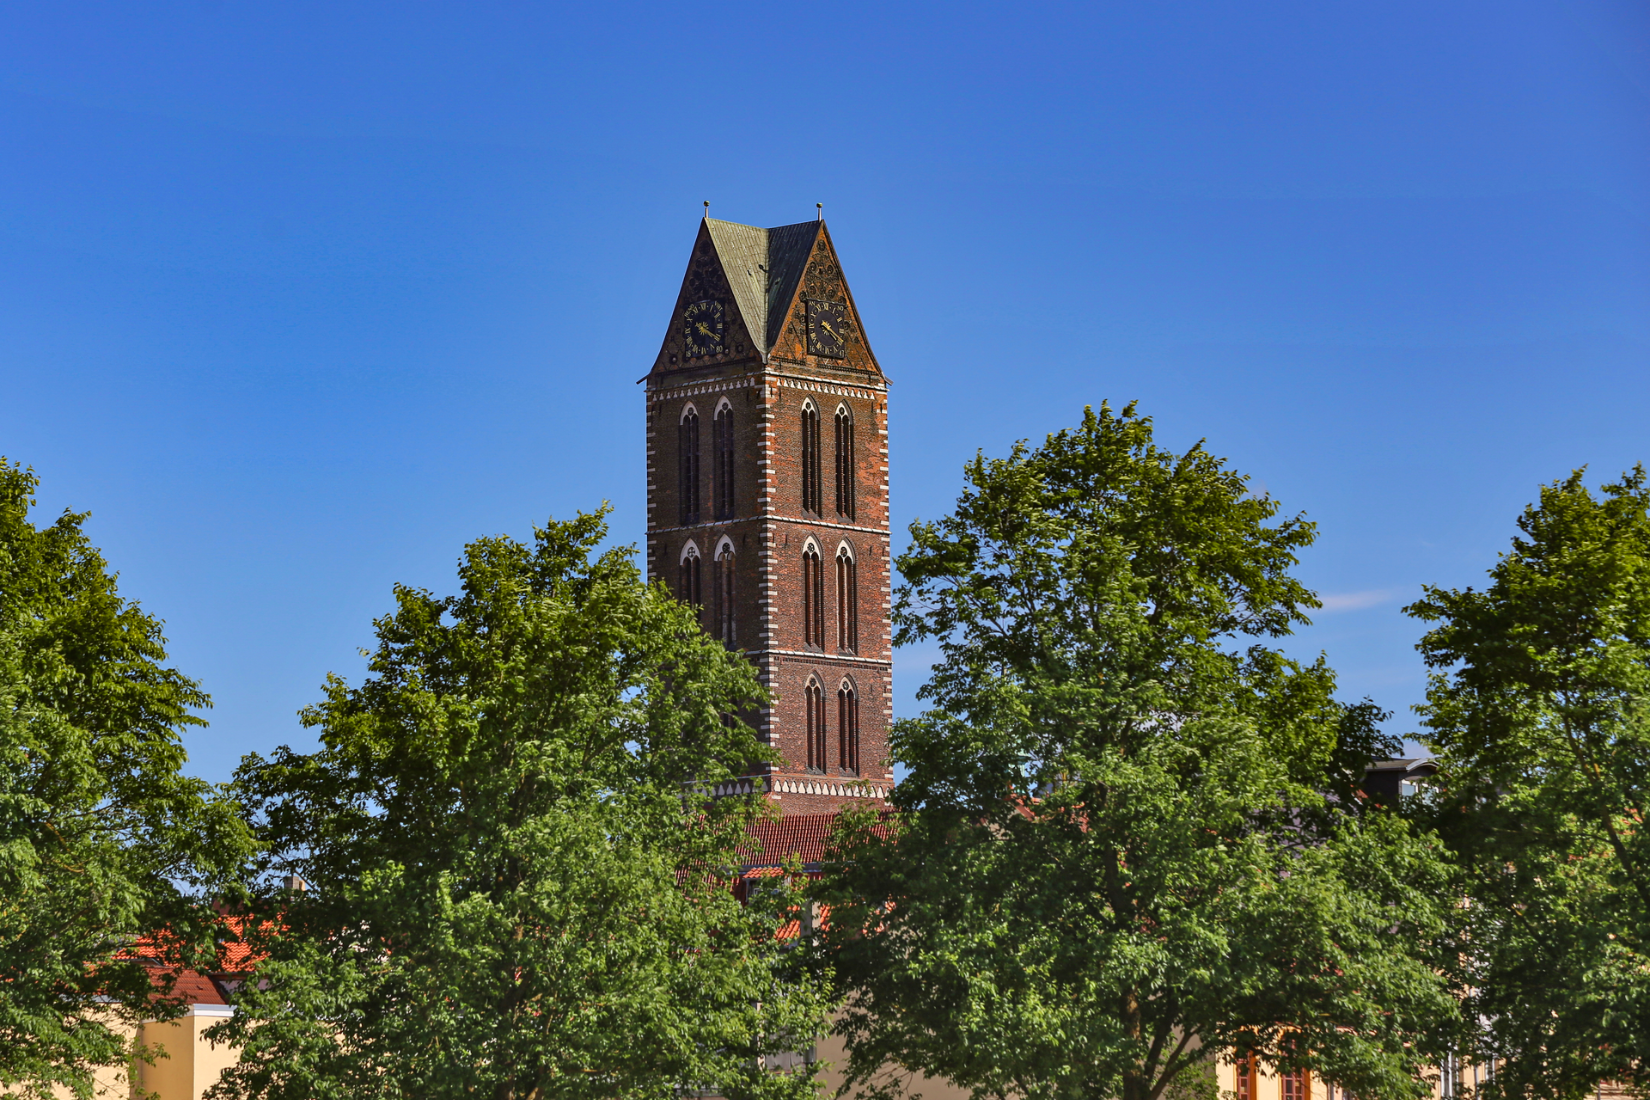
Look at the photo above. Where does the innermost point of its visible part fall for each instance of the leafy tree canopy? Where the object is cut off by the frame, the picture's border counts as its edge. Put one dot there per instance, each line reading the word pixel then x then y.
pixel 103 839
pixel 511 891
pixel 1129 838
pixel 1539 711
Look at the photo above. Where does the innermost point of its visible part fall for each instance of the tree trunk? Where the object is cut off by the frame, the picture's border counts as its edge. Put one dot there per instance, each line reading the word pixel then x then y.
pixel 1134 1083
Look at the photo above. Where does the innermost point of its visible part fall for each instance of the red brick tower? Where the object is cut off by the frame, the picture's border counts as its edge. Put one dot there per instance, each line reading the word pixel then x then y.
pixel 767 497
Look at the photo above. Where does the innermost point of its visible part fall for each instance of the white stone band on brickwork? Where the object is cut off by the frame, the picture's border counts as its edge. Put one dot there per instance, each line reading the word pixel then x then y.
pixel 799 786
pixel 835 790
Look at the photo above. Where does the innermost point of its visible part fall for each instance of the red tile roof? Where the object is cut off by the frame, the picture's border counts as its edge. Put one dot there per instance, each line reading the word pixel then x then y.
pixel 234 953
pixel 803 835
pixel 191 987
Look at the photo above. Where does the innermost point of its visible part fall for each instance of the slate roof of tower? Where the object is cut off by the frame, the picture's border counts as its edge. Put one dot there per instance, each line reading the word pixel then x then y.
pixel 763 267
pixel 789 247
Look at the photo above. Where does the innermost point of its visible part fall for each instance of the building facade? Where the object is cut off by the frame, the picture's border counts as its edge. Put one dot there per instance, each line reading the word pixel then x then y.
pixel 767 499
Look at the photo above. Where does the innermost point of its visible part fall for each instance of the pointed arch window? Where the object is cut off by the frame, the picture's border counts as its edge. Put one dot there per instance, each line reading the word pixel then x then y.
pixel 722 472
pixel 847 727
pixel 814 700
pixel 687 440
pixel 844 462
pixel 724 593
pixel 813 597
pixel 847 601
pixel 689 588
pixel 810 458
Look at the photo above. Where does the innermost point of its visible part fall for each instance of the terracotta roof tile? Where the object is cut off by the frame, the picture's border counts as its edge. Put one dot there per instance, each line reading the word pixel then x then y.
pixel 803 835
pixel 233 952
pixel 189 986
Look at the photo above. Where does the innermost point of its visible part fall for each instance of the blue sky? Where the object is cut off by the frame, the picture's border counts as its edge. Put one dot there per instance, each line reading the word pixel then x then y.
pixel 296 299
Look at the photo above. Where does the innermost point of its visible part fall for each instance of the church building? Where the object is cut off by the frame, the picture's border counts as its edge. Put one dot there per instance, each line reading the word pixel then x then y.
pixel 767 499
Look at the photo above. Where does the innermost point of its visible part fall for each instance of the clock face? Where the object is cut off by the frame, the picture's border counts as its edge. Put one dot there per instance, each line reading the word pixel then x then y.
pixel 827 328
pixel 704 324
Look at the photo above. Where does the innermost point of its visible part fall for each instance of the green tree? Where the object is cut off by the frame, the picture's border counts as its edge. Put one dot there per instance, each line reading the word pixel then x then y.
pixel 1127 843
pixel 511 891
pixel 1538 713
pixel 103 839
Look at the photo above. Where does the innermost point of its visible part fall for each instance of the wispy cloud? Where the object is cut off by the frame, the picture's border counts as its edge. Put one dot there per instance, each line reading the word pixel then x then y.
pixel 1355 601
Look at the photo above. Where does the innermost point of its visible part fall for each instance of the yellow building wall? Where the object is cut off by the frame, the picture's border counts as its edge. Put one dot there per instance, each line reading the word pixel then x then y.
pixel 192 1063
pixel 108 1082
pixel 1268 1087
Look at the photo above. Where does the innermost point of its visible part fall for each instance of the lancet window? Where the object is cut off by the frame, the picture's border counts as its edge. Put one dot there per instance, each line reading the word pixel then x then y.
pixel 814 699
pixel 844 462
pixel 813 597
pixel 689 588
pixel 810 458
pixel 847 727
pixel 724 593
pixel 722 474
pixel 847 601
pixel 687 439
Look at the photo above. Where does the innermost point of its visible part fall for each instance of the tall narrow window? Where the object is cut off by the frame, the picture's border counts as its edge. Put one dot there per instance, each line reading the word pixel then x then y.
pixel 813 598
pixel 847 728
pixel 814 698
pixel 722 433
pixel 724 594
pixel 847 602
pixel 687 437
pixel 1293 1086
pixel 810 459
pixel 689 590
pixel 844 462
pixel 1449 1080
pixel 1246 1078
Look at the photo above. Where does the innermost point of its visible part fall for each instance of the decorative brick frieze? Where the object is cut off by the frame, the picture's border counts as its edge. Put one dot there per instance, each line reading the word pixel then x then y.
pixel 807 785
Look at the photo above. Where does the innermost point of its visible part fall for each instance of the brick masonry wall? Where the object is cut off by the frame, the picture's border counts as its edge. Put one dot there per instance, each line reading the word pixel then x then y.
pixel 769 532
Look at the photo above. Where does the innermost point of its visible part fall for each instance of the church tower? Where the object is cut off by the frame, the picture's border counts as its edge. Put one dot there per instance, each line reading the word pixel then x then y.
pixel 767 498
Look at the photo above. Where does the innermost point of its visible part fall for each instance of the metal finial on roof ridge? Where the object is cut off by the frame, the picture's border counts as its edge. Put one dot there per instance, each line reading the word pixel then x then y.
pixel 707 208
pixel 821 207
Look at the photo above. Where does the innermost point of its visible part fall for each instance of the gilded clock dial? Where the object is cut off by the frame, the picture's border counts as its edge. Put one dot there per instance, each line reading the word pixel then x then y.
pixel 704 327
pixel 827 328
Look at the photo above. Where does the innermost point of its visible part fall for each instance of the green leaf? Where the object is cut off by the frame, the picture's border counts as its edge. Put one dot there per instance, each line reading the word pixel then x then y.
pixel 514 888
pixel 1537 710
pixel 1128 841
pixel 104 842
